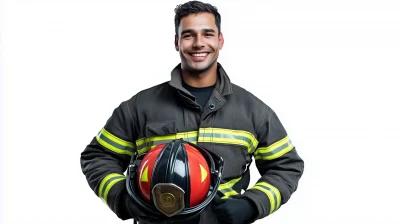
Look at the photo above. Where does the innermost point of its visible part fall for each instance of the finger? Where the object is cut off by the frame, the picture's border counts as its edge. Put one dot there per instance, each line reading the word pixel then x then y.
pixel 220 210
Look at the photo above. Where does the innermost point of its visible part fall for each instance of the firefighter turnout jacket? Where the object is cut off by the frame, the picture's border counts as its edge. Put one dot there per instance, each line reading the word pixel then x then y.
pixel 234 124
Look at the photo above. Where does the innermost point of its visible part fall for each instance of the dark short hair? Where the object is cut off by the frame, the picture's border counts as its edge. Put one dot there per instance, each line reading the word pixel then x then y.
pixel 194 7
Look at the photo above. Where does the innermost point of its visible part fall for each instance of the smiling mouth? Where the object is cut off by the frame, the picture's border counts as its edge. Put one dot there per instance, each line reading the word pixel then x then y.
pixel 199 56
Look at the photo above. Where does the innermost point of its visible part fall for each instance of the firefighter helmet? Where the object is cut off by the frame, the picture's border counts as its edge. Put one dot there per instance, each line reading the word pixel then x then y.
pixel 176 180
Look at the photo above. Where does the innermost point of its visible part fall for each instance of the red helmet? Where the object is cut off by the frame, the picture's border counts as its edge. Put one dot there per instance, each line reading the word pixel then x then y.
pixel 175 180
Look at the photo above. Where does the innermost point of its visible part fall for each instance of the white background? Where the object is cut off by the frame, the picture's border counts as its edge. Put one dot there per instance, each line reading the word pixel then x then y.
pixel 328 68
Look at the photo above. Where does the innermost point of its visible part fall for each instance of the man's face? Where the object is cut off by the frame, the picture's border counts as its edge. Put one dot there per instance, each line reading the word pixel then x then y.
pixel 198 42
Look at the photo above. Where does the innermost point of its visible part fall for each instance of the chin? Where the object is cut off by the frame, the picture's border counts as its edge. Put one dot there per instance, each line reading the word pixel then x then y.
pixel 199 67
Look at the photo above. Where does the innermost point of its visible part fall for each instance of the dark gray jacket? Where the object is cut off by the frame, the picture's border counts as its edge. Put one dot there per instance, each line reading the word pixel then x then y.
pixel 235 125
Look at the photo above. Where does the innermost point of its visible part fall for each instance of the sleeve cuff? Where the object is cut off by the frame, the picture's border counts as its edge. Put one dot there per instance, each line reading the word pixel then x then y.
pixel 120 210
pixel 110 190
pixel 262 210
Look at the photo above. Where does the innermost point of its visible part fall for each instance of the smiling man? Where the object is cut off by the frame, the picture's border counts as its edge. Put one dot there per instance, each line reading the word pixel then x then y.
pixel 200 105
pixel 198 40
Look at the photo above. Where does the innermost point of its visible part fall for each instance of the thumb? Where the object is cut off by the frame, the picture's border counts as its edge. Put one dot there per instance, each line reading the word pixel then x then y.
pixel 217 200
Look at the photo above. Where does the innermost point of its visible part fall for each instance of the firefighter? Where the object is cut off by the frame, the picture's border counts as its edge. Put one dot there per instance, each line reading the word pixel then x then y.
pixel 200 105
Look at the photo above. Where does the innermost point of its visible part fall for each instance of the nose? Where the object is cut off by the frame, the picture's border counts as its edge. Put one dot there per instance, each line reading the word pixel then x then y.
pixel 198 42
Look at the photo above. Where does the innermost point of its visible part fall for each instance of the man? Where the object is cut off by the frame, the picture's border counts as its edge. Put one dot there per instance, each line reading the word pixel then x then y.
pixel 223 117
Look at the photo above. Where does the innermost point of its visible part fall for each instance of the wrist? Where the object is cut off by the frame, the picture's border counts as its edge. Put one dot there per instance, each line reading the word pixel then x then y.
pixel 252 208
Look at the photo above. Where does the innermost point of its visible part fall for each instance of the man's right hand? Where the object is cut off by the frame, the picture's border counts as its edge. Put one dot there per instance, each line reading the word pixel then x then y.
pixel 127 209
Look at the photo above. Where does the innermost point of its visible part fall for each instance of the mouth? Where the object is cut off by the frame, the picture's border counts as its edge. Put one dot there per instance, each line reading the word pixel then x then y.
pixel 199 56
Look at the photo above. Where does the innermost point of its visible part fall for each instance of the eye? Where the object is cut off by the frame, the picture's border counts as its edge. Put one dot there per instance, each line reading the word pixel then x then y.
pixel 209 34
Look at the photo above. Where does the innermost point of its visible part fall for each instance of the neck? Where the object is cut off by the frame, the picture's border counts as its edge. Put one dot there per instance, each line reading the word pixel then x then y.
pixel 200 79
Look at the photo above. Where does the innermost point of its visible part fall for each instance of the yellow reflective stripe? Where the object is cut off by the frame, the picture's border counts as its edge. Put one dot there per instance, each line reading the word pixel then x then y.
pixel 275 150
pixel 116 139
pixel 146 149
pixel 113 148
pixel 112 183
pixel 213 135
pixel 271 198
pixel 272 192
pixel 274 189
pixel 107 183
pixel 114 143
pixel 228 194
pixel 229 184
pixel 274 146
pixel 167 137
pixel 228 136
pixel 146 144
pixel 227 188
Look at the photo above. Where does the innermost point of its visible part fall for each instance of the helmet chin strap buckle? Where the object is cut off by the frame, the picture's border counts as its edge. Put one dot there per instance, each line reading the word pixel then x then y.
pixel 168 198
pixel 134 165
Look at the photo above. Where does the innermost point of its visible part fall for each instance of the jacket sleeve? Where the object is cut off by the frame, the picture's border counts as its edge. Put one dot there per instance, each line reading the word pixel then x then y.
pixel 106 158
pixel 279 165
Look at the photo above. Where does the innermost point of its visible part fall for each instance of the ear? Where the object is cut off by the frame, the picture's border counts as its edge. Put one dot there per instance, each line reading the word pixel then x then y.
pixel 176 43
pixel 220 40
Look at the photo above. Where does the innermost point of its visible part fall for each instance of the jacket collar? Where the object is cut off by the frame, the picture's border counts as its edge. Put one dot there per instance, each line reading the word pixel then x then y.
pixel 223 85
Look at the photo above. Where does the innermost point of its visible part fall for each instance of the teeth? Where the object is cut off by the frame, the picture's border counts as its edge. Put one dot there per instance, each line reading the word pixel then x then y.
pixel 200 55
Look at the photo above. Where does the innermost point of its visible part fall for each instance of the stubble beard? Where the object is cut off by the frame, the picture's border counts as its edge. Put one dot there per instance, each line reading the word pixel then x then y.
pixel 192 71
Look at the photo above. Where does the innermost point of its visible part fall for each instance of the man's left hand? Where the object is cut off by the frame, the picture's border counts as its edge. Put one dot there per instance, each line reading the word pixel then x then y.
pixel 234 210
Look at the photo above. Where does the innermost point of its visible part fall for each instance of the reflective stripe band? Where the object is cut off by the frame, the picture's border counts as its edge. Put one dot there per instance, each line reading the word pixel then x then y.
pixel 146 149
pixel 145 144
pixel 272 193
pixel 114 143
pixel 227 188
pixel 213 135
pixel 167 137
pixel 228 194
pixel 107 183
pixel 228 136
pixel 275 150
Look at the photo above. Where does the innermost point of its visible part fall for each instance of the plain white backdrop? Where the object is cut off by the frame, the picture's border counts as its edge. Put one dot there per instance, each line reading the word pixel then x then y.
pixel 328 68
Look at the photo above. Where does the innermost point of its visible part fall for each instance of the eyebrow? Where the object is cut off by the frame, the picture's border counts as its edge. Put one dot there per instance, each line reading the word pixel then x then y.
pixel 192 31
